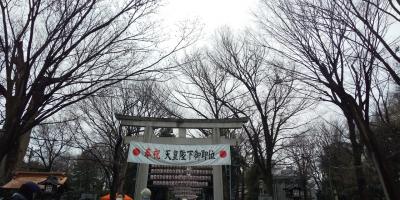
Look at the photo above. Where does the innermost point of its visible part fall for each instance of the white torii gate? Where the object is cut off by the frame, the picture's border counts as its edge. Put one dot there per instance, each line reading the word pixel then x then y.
pixel 182 124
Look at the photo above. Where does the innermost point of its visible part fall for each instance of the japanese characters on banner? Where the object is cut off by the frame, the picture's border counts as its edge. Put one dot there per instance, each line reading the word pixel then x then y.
pixel 185 155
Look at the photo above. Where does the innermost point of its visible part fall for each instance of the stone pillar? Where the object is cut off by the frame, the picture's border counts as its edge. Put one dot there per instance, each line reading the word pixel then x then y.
pixel 182 132
pixel 143 169
pixel 218 188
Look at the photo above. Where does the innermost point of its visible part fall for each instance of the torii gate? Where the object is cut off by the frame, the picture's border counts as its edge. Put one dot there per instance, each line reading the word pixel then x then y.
pixel 182 124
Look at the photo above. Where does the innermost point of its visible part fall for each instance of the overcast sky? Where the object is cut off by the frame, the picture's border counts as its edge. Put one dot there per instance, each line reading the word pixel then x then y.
pixel 212 14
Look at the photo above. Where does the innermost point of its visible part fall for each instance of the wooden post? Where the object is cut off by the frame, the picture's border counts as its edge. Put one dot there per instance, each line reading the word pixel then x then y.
pixel 217 170
pixel 143 171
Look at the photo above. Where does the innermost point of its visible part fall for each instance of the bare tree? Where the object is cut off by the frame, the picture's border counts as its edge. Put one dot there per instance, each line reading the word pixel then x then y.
pixel 205 90
pixel 99 134
pixel 332 62
pixel 314 153
pixel 363 15
pixel 268 96
pixel 386 125
pixel 49 143
pixel 302 151
pixel 56 53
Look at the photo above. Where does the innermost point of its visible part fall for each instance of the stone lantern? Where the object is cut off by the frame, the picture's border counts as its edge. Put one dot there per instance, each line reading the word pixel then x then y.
pixel 146 194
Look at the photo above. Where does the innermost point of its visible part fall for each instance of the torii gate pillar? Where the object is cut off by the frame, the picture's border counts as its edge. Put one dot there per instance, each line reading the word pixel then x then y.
pixel 217 170
pixel 142 173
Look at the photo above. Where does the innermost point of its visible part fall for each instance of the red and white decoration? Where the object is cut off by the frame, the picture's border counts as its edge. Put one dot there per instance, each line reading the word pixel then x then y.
pixel 183 155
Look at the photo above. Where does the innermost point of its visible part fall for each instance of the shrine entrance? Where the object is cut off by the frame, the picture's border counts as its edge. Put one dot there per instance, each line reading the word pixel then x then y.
pixel 186 180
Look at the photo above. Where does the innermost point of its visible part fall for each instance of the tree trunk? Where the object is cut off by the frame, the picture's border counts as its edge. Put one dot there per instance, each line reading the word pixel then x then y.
pixel 304 186
pixel 114 183
pixel 116 169
pixel 382 167
pixel 238 182
pixel 226 183
pixel 242 185
pixel 15 157
pixel 3 163
pixel 7 145
pixel 122 177
pixel 119 169
pixel 358 169
pixel 15 139
pixel 268 179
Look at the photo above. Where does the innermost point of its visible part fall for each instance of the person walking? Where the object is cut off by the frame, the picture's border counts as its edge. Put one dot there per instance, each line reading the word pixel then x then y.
pixel 27 191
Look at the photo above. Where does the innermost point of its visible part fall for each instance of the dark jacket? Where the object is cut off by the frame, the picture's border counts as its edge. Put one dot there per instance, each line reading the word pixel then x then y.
pixel 18 196
pixel 27 191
